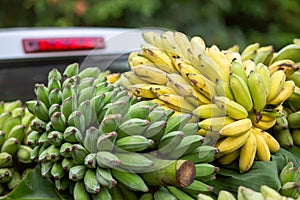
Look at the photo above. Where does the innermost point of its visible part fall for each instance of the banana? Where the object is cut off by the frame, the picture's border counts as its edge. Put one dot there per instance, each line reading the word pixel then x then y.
pixel 134 126
pixel 264 55
pixel 264 72
pixel 198 186
pixel 6 160
pixel 296 136
pixel 131 180
pixel 228 158
pixel 293 120
pixel 277 81
pixel 262 150
pixel 236 128
pixel 247 153
pixel 295 77
pixel 287 173
pixel 159 57
pixel 202 196
pixel 105 142
pixel 155 129
pixel 178 102
pixel 208 110
pixel 107 159
pixel 225 195
pixel 163 193
pixel 169 44
pixel 150 74
pixel 284 137
pixel 290 189
pixel 42 93
pixel 23 154
pixel 57 171
pixel 149 37
pixel 11 145
pixel 183 43
pixel 287 65
pixel 249 66
pixel 269 193
pixel 175 123
pixel 291 51
pixel 79 191
pixel 90 181
pixel 90 139
pixel 110 123
pixel 178 193
pixel 241 92
pixel 203 84
pixel 198 44
pixel 272 143
pixel 248 194
pixel 232 108
pixel 249 51
pixel 78 153
pixel 223 89
pixel 58 121
pixel 5 175
pixel 71 70
pixel 55 96
pixel 4 116
pixel 257 91
pixel 18 131
pixel 215 123
pixel 55 138
pixel 142 90
pixel 204 153
pixel 72 134
pixel 86 93
pixel 220 58
pixel 284 93
pixel 134 143
pixel 231 144
pixel 169 141
pixel 238 69
pixel 105 178
pixel 15 180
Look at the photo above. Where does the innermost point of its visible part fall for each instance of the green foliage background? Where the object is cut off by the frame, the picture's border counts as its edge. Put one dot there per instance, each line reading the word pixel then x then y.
pixel 221 22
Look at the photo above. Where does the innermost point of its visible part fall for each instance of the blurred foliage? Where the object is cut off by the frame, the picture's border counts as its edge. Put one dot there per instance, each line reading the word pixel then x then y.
pixel 221 22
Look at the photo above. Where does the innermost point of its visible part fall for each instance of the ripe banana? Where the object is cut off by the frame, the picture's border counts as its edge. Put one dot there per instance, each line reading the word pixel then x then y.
pixel 236 128
pixel 247 153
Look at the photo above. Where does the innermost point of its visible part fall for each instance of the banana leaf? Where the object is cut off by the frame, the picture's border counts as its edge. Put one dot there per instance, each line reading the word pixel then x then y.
pixel 34 187
pixel 261 173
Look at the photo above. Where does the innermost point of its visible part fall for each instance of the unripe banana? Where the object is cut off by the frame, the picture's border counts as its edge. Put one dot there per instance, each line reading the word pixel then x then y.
pixel 79 192
pixel 257 91
pixel 6 160
pixel 23 154
pixel 57 171
pixel 77 172
pixel 293 120
pixel 90 182
pixel 134 143
pixel 11 145
pixel 71 70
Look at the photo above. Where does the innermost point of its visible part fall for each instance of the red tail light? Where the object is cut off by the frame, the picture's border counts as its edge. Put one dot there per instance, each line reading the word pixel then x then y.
pixel 62 44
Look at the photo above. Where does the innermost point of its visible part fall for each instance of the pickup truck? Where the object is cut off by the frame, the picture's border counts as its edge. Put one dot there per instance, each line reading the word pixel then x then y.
pixel 28 54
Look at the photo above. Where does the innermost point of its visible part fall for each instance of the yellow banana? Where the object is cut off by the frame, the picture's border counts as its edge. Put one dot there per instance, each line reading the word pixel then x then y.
pixel 287 65
pixel 162 89
pixel 241 92
pixel 184 67
pixel 150 74
pixel 133 78
pixel 208 110
pixel 228 158
pixel 202 84
pixel 262 151
pixel 215 123
pixel 236 128
pixel 159 57
pixel 231 144
pixel 277 81
pixel 169 44
pixel 177 101
pixel 135 59
pixel 257 91
pixel 272 143
pixel 233 55
pixel 149 36
pixel 219 57
pixel 264 55
pixel 183 43
pixel 198 44
pixel 249 66
pixel 247 153
pixel 142 90
pixel 232 109
pixel 284 94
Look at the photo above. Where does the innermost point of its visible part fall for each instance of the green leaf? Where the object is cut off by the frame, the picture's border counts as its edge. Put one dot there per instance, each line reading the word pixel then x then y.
pixel 34 187
pixel 261 173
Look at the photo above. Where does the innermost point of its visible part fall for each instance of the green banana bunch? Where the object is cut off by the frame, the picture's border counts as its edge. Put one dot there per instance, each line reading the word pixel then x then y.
pixel 104 142
pixel 15 122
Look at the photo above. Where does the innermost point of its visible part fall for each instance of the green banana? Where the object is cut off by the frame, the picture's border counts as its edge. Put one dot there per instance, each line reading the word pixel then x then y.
pixel 57 170
pixel 42 93
pixel 79 192
pixel 72 134
pixel 90 182
pixel 77 172
pixel 6 160
pixel 90 139
pixel 177 122
pixel 71 70
pixel 257 91
pixel 23 154
pixel 55 138
pixel 133 162
pixel 90 160
pixel 11 145
pixel 130 180
pixel 107 159
pixel 134 126
pixel 106 141
pixel 134 143
pixel 55 96
pixel 78 153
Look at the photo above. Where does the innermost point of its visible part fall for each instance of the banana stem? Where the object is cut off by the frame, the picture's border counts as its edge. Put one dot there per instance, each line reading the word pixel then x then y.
pixel 177 172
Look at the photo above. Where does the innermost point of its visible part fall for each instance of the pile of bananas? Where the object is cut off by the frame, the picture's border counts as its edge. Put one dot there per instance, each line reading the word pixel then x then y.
pixel 15 161
pixel 98 141
pixel 235 98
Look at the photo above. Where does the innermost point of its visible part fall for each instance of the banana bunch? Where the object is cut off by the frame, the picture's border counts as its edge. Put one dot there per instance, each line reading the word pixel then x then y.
pixel 94 138
pixel 15 159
